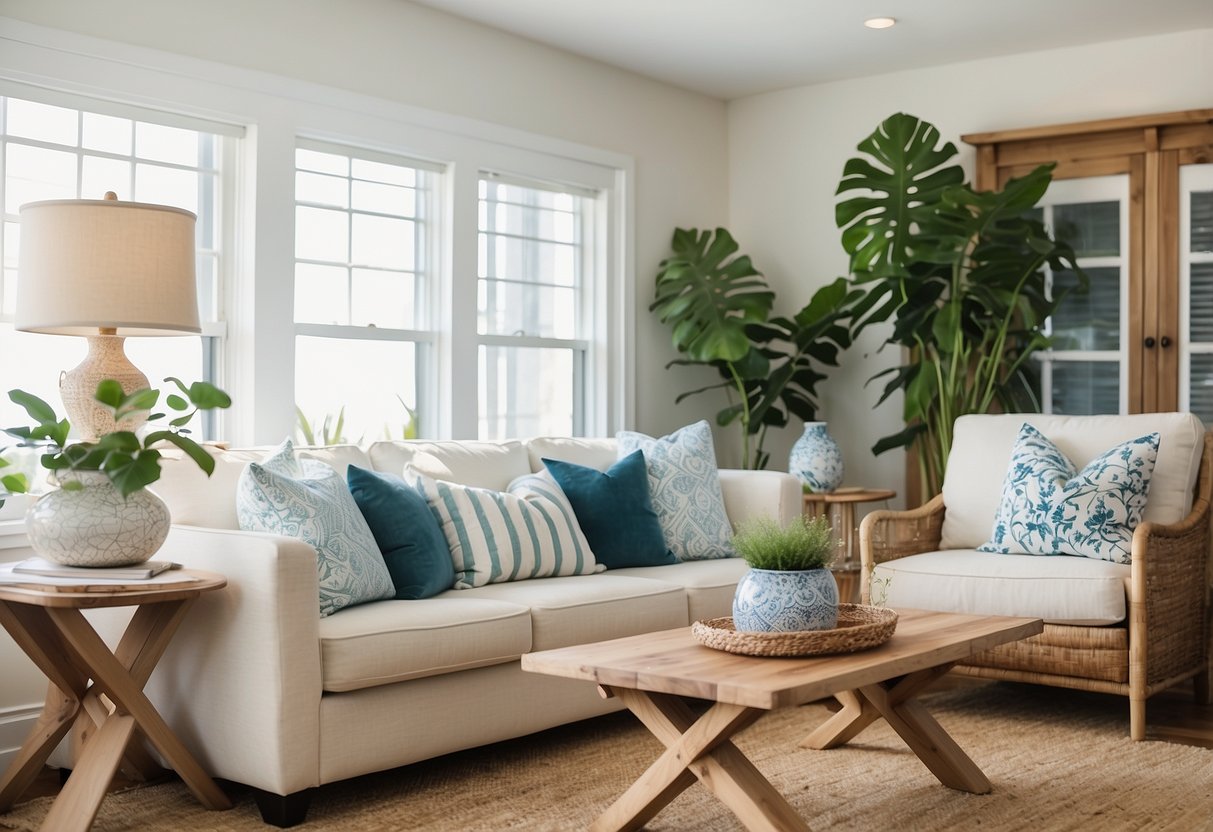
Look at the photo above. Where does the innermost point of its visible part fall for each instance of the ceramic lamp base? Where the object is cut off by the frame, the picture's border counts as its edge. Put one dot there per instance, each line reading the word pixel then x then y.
pixel 106 359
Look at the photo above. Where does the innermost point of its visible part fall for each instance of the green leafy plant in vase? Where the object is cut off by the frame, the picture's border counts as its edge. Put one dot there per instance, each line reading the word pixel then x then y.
pixel 789 587
pixel 101 513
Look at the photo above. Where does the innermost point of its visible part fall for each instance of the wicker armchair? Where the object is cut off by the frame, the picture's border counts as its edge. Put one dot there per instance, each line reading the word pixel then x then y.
pixel 1164 641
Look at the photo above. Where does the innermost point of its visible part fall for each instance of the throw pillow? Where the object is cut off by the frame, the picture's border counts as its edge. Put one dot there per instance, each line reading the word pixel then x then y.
pixel 615 511
pixel 1049 507
pixel 685 487
pixel 308 500
pixel 409 537
pixel 498 536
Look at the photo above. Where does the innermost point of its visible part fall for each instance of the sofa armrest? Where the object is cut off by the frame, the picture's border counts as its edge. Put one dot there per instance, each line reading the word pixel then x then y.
pixel 755 493
pixel 888 535
pixel 241 681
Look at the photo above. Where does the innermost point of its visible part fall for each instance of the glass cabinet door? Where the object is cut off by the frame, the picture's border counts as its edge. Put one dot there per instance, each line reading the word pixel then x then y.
pixel 1086 369
pixel 1196 290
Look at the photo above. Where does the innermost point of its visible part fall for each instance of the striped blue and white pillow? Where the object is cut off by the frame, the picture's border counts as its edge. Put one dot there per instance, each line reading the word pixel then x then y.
pixel 494 536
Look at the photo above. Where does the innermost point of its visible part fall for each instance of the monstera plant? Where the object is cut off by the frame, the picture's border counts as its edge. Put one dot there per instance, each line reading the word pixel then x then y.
pixel 719 306
pixel 960 272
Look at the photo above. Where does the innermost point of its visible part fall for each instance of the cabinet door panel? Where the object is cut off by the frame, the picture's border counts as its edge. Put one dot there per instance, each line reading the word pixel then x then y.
pixel 1196 290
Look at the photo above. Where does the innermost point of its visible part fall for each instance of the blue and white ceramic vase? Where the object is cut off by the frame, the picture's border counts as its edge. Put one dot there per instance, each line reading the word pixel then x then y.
pixel 778 601
pixel 816 458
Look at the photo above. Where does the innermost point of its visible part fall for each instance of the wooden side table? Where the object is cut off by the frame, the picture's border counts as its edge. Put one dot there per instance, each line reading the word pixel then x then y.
pixel 839 507
pixel 46 622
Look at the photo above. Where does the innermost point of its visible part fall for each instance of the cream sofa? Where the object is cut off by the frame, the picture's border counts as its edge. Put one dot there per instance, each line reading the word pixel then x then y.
pixel 1110 627
pixel 267 693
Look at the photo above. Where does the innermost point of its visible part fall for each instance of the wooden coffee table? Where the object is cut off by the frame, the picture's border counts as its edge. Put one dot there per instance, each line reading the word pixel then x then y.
pixel 655 674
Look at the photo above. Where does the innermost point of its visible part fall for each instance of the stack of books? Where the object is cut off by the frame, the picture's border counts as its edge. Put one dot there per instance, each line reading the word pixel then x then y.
pixel 50 569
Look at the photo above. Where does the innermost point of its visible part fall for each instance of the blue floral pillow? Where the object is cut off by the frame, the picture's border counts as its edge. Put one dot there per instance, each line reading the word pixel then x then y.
pixel 1050 508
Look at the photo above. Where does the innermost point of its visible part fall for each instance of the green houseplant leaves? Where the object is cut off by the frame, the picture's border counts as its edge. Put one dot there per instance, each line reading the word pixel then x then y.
pixel 961 275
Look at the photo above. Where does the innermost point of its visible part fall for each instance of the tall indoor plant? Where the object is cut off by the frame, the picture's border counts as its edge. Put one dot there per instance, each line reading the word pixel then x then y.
pixel 719 307
pixel 961 274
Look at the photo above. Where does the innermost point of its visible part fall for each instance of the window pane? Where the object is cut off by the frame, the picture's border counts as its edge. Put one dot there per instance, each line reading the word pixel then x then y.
pixel 1092 228
pixel 1086 387
pixel 43 122
pixel 167 186
pixel 101 174
pixel 1202 221
pixel 382 298
pixel 519 309
pixel 1201 389
pixel 384 199
pixel 509 258
pixel 322 190
pixel 322 162
pixel 383 172
pixel 1088 320
pixel 107 133
pixel 166 144
pixel 35 173
pixel 383 242
pixel 322 294
pixel 526 391
pixel 1200 303
pixel 322 235
pixel 366 384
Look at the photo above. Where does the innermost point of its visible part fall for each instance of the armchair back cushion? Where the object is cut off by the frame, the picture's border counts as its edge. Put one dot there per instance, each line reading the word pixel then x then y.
pixel 981 449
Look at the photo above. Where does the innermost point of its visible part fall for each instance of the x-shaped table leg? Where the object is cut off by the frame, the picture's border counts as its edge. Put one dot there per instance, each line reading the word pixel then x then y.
pixel 894 700
pixel 697 748
pixel 67 649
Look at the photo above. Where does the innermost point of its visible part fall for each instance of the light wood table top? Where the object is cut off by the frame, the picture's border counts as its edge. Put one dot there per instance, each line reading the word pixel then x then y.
pixel 655 674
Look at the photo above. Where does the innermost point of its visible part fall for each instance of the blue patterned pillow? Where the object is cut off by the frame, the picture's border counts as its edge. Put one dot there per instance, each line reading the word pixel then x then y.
pixel 685 488
pixel 494 536
pixel 308 500
pixel 1050 508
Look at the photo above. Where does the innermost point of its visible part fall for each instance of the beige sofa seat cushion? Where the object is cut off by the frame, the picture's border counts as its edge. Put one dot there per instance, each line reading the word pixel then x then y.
pixel 1061 590
pixel 391 641
pixel 981 450
pixel 582 608
pixel 481 464
pixel 599 454
pixel 193 499
pixel 709 584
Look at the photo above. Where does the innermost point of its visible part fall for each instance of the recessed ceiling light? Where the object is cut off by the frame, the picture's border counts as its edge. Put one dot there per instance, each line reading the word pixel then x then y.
pixel 879 22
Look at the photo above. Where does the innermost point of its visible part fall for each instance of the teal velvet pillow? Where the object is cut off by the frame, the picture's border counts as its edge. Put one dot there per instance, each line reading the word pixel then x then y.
pixel 408 535
pixel 615 511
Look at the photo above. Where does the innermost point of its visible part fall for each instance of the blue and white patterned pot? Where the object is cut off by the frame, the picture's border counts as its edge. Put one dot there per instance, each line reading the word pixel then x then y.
pixel 776 601
pixel 816 458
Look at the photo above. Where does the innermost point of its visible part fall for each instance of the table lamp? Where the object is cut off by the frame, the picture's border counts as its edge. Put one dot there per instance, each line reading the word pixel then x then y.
pixel 106 270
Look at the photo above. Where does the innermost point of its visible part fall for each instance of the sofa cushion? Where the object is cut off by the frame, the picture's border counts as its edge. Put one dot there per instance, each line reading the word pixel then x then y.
pixel 1050 508
pixel 481 464
pixel 686 490
pixel 981 448
pixel 615 511
pixel 1059 590
pixel 407 532
pixel 392 641
pixel 585 608
pixel 709 584
pixel 599 454
pixel 499 536
pixel 308 500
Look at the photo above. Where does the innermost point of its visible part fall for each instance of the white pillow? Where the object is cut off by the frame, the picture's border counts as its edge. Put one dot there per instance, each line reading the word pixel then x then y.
pixel 309 500
pixel 685 487
pixel 494 536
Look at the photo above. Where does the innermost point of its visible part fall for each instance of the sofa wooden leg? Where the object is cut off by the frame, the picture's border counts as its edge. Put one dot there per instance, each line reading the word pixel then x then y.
pixel 283 810
pixel 1137 719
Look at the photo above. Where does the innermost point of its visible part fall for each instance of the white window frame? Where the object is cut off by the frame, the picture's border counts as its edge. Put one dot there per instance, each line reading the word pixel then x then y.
pixel 1192 178
pixel 259 356
pixel 1068 192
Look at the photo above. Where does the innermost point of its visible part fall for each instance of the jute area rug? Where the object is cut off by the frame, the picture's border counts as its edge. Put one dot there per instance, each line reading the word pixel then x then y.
pixel 1057 760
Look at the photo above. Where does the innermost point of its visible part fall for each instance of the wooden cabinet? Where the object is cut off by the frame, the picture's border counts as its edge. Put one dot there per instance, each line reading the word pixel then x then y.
pixel 1135 196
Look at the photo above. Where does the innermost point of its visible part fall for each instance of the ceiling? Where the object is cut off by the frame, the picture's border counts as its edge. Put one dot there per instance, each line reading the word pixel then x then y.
pixel 732 48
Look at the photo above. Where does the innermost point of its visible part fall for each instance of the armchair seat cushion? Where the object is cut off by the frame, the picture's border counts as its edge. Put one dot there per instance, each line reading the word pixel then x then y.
pixel 1060 590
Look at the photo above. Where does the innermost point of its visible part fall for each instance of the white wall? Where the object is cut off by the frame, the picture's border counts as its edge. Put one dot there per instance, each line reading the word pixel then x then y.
pixel 787 150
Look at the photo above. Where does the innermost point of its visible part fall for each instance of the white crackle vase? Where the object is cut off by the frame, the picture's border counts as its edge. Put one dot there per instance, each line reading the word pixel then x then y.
pixel 791 601
pixel 816 458
pixel 95 525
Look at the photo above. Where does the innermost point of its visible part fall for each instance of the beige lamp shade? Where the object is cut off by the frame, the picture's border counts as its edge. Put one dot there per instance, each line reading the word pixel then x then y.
pixel 86 265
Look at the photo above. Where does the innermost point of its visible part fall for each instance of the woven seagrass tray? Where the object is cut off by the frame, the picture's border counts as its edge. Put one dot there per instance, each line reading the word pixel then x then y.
pixel 860 627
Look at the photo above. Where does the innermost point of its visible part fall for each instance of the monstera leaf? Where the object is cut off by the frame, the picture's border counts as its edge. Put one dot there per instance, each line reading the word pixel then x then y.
pixel 902 180
pixel 709 296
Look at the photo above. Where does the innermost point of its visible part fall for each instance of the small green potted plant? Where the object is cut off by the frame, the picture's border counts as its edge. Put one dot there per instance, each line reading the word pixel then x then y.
pixel 789 587
pixel 101 514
